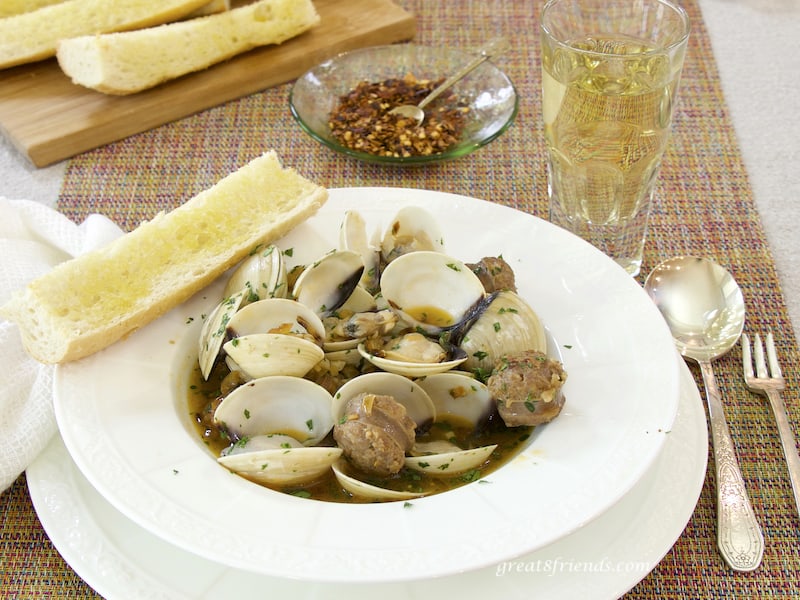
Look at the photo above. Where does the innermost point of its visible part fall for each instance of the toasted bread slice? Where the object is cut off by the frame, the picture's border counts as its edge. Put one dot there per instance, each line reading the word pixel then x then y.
pixel 91 301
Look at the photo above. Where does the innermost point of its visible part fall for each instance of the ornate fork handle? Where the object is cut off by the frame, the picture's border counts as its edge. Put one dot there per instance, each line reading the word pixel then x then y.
pixel 739 536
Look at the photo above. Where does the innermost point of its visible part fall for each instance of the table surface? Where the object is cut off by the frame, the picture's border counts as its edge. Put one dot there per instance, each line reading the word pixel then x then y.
pixel 752 46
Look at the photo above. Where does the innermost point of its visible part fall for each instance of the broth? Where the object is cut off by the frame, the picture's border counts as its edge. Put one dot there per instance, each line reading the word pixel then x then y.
pixel 202 399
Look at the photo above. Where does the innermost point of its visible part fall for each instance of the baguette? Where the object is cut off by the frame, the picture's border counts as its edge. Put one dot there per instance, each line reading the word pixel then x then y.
pixel 10 8
pixel 129 62
pixel 33 36
pixel 89 302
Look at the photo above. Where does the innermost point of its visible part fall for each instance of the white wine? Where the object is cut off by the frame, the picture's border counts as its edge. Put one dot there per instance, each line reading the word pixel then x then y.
pixel 607 107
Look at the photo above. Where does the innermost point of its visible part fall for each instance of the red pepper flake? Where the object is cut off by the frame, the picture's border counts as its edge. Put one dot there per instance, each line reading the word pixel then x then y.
pixel 362 121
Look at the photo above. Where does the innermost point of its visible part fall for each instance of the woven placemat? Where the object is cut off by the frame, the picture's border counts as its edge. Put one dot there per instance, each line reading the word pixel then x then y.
pixel 704 207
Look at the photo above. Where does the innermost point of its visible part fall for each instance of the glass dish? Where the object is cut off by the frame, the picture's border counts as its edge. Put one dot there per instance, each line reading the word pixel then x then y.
pixel 488 92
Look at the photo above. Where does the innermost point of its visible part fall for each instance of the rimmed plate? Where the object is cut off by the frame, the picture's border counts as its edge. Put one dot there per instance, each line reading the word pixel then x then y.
pixel 601 560
pixel 122 416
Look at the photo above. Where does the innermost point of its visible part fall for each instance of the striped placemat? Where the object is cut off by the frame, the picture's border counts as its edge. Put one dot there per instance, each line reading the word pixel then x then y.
pixel 705 207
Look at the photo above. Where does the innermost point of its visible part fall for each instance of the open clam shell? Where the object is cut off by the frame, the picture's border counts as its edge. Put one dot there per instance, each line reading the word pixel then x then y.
pixel 506 325
pixel 431 290
pixel 276 314
pixel 367 490
pixel 279 460
pixel 459 398
pixel 326 284
pixel 214 332
pixel 405 361
pixel 264 354
pixel 412 229
pixel 261 275
pixel 275 336
pixel 444 464
pixel 353 236
pixel 277 405
pixel 360 301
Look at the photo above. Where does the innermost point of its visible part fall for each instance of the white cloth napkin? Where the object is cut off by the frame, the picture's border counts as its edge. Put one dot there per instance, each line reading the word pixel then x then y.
pixel 33 238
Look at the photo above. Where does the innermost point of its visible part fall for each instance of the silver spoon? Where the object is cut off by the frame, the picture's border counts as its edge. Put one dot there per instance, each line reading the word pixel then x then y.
pixel 704 309
pixel 491 50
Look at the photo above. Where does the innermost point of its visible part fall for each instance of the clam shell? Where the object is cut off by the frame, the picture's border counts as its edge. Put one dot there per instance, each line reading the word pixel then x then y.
pixel 410 368
pixel 360 301
pixel 279 460
pixel 264 354
pixel 366 490
pixel 353 236
pixel 450 463
pixel 279 404
pixel 507 325
pixel 272 314
pixel 261 275
pixel 431 290
pixel 459 397
pixel 214 332
pixel 412 229
pixel 327 283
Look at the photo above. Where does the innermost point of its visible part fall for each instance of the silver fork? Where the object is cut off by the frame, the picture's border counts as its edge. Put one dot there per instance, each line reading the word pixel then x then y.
pixel 768 382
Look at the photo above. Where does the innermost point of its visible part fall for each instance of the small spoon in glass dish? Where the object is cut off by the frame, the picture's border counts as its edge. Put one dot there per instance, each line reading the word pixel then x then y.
pixel 491 50
pixel 704 309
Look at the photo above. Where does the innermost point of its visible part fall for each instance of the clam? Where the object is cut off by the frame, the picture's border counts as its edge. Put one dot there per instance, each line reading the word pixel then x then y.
pixel 326 284
pixel 461 401
pixel 431 290
pixel 276 336
pixel 279 460
pixel 290 406
pixel 354 320
pixel 506 324
pixel 349 356
pixel 412 229
pixel 214 332
pixel 367 490
pixel 263 354
pixel 459 398
pixel 277 423
pixel 261 275
pixel 413 355
pixel 353 236
pixel 277 315
pixel 450 463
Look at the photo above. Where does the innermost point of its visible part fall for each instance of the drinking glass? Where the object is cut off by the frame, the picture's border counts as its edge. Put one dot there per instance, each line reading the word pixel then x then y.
pixel 610 74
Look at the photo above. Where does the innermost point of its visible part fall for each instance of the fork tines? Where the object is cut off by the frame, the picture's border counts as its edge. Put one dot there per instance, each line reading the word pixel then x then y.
pixel 766 367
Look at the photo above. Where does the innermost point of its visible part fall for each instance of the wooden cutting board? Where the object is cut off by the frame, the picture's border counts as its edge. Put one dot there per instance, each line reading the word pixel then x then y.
pixel 49 119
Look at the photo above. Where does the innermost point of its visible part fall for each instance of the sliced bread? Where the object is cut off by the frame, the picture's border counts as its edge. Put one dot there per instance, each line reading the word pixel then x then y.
pixel 10 8
pixel 129 62
pixel 89 302
pixel 33 36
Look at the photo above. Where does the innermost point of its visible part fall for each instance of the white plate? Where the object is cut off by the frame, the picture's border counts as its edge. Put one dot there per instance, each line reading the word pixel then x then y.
pixel 123 418
pixel 602 560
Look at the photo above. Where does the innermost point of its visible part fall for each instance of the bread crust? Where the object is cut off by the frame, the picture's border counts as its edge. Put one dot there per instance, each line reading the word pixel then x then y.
pixel 132 61
pixel 89 302
pixel 34 36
